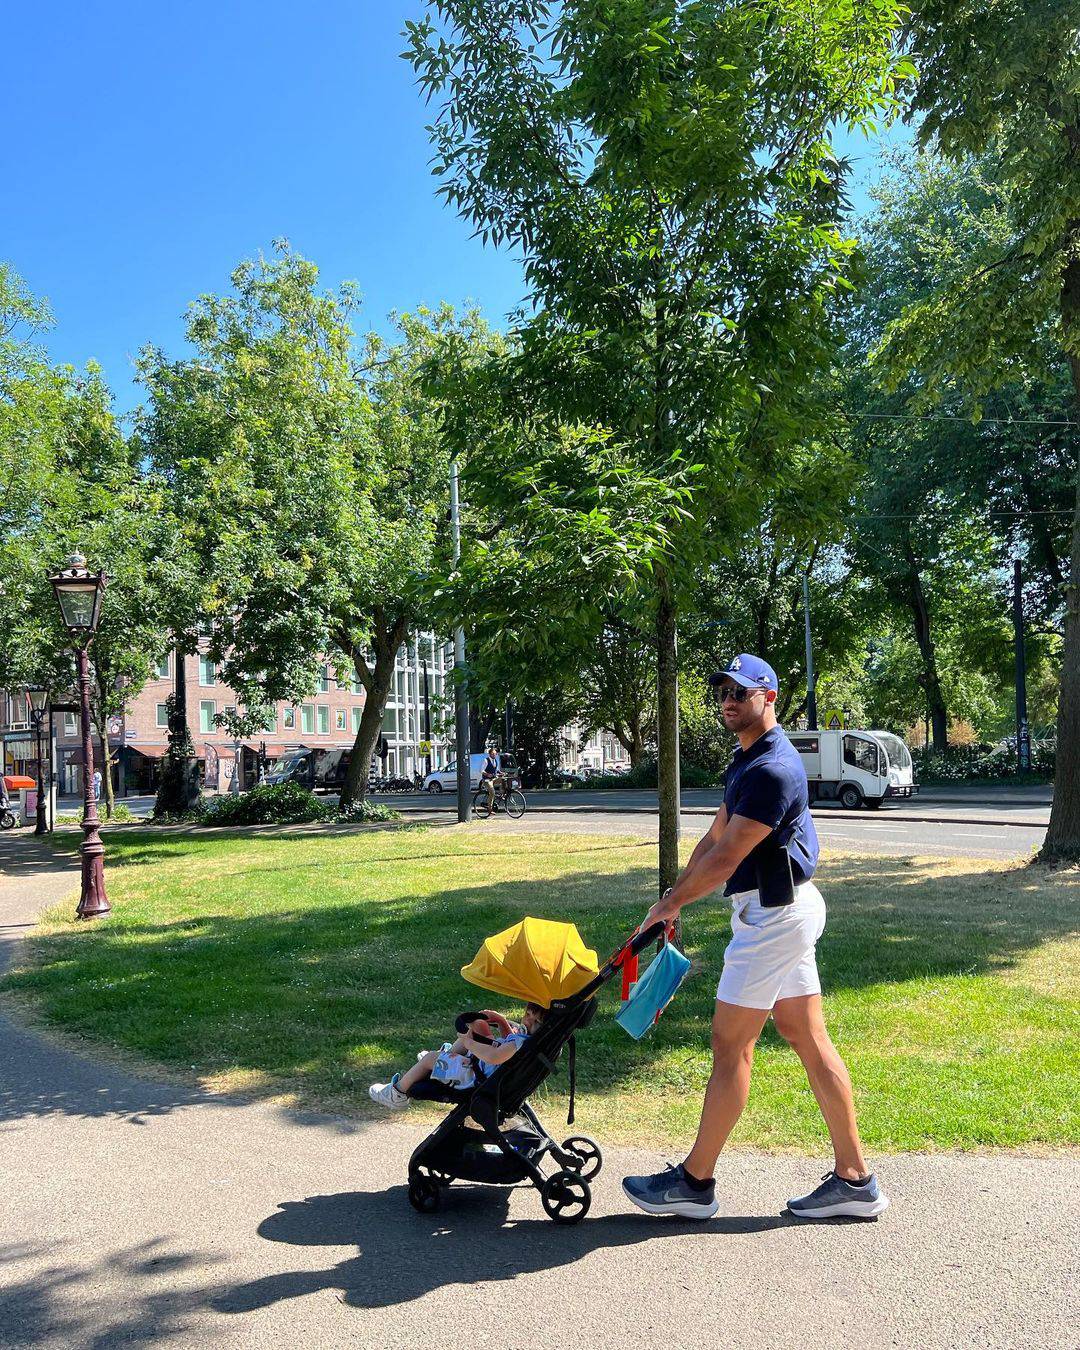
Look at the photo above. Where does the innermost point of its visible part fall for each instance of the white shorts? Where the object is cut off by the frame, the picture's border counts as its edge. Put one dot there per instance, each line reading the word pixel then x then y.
pixel 771 952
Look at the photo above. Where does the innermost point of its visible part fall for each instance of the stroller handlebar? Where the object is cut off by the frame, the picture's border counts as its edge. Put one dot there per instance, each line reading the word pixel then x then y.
pixel 646 937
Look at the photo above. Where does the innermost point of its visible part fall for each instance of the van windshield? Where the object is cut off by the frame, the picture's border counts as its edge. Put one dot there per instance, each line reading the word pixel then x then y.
pixel 287 763
pixel 899 755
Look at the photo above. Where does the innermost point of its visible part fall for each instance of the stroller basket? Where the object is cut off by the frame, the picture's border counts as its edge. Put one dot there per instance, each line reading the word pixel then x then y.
pixel 471 1143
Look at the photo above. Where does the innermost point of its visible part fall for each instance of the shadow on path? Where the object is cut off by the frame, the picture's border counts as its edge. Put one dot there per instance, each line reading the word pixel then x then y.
pixel 404 1255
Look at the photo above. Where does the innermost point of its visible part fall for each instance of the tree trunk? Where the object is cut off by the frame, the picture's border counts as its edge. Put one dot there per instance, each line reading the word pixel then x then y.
pixel 667 733
pixel 178 790
pixel 1063 836
pixel 377 682
pixel 920 613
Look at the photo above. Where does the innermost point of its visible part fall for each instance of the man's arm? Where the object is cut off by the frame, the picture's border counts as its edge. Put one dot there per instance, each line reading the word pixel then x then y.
pixel 713 867
pixel 708 840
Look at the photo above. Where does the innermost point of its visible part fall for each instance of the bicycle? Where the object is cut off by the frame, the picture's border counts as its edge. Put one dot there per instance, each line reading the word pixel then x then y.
pixel 506 799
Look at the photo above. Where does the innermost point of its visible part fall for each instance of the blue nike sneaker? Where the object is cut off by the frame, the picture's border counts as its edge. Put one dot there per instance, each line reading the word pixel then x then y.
pixel 668 1192
pixel 836 1197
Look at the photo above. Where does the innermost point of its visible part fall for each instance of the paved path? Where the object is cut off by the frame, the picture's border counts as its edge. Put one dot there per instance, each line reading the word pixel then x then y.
pixel 138 1212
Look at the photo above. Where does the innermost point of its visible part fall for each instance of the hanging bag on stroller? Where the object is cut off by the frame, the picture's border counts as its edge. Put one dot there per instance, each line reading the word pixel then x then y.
pixel 653 991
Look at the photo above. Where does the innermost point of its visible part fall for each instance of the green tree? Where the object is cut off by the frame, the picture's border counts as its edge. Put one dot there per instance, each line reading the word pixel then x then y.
pixel 312 476
pixel 1000 78
pixel 665 172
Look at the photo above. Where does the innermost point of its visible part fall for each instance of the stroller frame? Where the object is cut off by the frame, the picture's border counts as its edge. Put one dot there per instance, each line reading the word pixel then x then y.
pixel 484 1152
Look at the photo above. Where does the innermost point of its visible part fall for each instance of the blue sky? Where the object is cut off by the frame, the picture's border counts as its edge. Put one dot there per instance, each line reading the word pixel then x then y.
pixel 148 148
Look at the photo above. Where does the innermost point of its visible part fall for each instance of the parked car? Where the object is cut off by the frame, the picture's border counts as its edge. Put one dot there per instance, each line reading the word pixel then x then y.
pixel 319 770
pixel 445 780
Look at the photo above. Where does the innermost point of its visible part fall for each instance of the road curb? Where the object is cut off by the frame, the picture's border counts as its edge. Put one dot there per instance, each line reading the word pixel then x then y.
pixel 550 808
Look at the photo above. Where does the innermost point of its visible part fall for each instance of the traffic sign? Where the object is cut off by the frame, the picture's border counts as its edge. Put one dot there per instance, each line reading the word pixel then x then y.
pixel 834 720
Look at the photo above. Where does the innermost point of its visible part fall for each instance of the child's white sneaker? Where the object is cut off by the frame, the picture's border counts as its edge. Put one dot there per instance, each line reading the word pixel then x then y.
pixel 389 1094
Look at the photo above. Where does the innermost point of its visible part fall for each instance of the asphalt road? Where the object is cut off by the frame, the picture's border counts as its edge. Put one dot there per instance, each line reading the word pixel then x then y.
pixel 143 1212
pixel 986 822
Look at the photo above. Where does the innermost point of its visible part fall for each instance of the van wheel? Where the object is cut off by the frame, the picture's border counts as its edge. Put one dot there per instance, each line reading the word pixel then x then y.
pixel 850 797
pixel 435 789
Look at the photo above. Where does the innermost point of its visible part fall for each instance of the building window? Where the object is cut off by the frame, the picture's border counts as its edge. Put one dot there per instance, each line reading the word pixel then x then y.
pixel 389 722
pixel 288 719
pixel 324 680
pixel 162 667
pixel 270 725
pixel 355 687
pixel 307 718
pixel 339 719
pixel 357 713
pixel 207 672
pixel 230 710
pixel 324 720
pixel 69 725
pixel 207 713
pixel 163 714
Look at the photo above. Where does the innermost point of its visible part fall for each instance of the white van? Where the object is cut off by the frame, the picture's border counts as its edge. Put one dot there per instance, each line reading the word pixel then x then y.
pixel 445 780
pixel 855 768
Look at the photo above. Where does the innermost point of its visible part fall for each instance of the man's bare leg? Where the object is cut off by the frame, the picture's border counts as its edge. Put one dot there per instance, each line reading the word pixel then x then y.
pixel 734 1033
pixel 801 1024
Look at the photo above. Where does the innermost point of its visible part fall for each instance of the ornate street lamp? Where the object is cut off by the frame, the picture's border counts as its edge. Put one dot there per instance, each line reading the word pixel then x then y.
pixel 38 698
pixel 79 593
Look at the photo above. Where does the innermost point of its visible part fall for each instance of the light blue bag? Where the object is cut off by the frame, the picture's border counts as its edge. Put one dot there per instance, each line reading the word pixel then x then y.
pixel 654 991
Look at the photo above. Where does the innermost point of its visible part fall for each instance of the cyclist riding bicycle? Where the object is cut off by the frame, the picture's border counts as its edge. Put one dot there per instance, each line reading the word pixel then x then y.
pixel 490 774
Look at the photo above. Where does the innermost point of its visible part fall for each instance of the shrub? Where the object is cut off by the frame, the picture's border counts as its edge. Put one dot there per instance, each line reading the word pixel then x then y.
pixel 280 804
pixel 363 810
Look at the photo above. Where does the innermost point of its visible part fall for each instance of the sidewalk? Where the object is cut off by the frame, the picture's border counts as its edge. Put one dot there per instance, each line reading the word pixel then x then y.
pixel 137 1211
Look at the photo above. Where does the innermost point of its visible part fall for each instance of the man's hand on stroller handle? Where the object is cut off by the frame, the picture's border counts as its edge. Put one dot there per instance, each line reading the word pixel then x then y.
pixel 664 911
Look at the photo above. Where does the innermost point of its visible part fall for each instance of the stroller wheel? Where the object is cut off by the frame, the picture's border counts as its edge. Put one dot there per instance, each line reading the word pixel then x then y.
pixel 587 1153
pixel 566 1197
pixel 424 1194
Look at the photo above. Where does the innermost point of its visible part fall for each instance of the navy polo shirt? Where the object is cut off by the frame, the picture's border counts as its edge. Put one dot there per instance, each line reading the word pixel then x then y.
pixel 767 783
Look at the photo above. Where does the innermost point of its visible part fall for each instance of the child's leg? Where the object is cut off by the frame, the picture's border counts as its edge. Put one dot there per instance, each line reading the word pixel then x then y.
pixel 420 1070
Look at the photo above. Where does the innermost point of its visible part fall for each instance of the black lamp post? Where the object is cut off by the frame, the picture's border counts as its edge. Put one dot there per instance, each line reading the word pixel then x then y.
pixel 38 699
pixel 79 593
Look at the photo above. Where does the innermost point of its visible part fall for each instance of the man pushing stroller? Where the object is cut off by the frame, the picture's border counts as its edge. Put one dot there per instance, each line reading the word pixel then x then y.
pixel 762 849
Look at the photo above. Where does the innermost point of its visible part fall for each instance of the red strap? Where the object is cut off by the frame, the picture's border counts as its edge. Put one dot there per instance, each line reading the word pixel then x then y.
pixel 629 975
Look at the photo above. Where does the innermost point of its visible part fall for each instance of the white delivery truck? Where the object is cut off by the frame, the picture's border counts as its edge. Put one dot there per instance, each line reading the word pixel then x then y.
pixel 855 768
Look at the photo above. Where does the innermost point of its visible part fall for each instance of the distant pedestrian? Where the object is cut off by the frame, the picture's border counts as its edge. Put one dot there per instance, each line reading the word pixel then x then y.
pixel 763 848
pixel 97 785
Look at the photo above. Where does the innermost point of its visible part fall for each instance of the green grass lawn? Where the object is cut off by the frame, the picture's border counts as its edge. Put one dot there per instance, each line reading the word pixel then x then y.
pixel 307 965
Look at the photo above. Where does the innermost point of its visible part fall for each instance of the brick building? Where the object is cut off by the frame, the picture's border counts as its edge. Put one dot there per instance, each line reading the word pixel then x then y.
pixel 328 719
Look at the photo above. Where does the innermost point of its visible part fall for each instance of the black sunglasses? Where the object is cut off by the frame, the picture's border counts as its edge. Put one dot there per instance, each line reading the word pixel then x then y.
pixel 738 692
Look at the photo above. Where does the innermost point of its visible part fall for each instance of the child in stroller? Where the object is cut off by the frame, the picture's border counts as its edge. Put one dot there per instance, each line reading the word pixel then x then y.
pixel 484 1041
pixel 493 1136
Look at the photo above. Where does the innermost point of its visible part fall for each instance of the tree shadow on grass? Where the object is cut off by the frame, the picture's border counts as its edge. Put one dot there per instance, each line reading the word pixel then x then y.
pixel 330 995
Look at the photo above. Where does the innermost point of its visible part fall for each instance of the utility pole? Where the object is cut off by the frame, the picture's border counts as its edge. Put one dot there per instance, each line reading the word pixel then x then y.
pixel 427 718
pixel 461 692
pixel 1023 731
pixel 811 679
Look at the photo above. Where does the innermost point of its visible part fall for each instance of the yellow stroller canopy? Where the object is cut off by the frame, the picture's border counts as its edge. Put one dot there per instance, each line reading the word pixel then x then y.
pixel 535 961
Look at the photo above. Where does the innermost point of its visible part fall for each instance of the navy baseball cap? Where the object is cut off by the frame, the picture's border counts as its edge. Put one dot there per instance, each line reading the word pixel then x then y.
pixel 749 671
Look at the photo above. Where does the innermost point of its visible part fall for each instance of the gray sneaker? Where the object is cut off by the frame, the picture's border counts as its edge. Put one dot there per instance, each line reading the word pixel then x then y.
pixel 836 1197
pixel 668 1193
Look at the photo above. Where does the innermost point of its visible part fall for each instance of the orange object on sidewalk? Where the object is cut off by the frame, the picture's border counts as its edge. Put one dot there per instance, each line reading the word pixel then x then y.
pixel 14 782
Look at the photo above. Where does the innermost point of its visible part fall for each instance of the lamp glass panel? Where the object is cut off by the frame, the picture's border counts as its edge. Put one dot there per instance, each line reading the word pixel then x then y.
pixel 77 605
pixel 38 698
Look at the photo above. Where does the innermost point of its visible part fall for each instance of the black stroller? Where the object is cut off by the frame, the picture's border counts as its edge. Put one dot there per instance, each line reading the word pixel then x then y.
pixel 472 1144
